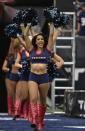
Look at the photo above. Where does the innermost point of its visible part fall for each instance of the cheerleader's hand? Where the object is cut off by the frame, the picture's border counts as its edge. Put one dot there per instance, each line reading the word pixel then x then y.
pixel 22 28
pixel 26 32
pixel 22 25
pixel 22 42
pixel 6 70
pixel 57 30
pixel 17 65
pixel 58 65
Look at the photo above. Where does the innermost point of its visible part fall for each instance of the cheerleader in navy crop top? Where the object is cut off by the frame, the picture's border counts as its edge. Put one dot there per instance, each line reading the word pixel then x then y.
pixel 38 77
pixel 21 104
pixel 42 58
pixel 10 81
pixel 12 75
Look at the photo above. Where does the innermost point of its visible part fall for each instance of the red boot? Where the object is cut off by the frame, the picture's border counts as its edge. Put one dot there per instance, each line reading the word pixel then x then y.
pixel 10 105
pixel 33 109
pixel 17 108
pixel 29 113
pixel 41 113
pixel 21 111
pixel 25 109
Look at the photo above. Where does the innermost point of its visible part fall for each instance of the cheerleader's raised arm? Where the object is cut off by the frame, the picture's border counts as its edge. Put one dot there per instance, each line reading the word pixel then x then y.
pixel 53 34
pixel 26 42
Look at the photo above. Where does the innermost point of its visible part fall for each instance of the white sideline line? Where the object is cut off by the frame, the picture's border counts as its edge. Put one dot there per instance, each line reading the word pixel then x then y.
pixel 52 119
pixel 10 118
pixel 1 118
pixel 47 113
pixel 78 127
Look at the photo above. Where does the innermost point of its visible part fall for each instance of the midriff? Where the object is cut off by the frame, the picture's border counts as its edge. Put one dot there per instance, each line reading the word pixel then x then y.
pixel 14 69
pixel 39 68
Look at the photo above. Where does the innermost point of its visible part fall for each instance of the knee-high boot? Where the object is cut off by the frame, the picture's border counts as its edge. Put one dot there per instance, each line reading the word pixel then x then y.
pixel 10 105
pixel 21 111
pixel 33 108
pixel 25 109
pixel 29 113
pixel 17 107
pixel 41 113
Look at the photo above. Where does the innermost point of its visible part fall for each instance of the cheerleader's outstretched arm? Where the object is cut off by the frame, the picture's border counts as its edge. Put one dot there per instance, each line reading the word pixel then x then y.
pixel 4 67
pixel 58 61
pixel 53 34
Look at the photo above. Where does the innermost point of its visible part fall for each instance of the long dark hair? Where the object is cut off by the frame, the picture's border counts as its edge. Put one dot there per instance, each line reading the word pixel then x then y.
pixel 34 40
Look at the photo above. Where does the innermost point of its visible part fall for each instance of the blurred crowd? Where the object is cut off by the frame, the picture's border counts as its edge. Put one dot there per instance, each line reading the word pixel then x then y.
pixel 80 17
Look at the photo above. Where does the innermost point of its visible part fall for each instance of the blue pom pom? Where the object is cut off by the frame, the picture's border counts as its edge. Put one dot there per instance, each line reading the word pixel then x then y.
pixel 64 20
pixel 18 17
pixel 53 15
pixel 12 30
pixel 25 16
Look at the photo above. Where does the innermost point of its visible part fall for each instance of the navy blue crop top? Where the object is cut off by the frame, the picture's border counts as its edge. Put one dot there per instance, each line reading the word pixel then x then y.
pixel 23 55
pixel 43 57
pixel 11 61
pixel 24 61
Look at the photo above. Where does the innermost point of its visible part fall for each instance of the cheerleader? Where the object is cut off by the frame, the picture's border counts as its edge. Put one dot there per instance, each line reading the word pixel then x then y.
pixel 11 75
pixel 40 51
pixel 22 99
pixel 22 94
